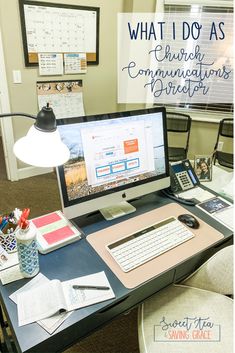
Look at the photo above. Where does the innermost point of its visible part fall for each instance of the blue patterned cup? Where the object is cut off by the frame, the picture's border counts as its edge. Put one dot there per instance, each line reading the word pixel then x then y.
pixel 27 252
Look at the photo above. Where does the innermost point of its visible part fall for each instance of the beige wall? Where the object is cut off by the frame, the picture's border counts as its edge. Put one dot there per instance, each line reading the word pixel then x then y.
pixel 202 138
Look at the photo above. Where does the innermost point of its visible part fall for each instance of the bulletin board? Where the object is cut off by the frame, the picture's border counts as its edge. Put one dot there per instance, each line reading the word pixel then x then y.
pixel 59 28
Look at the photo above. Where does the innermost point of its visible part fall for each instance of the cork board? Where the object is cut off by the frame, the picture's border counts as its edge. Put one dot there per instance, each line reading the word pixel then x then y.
pixel 205 237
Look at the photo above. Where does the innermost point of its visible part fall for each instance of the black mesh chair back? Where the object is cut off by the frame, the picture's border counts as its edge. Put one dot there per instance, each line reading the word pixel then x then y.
pixel 178 123
pixel 226 131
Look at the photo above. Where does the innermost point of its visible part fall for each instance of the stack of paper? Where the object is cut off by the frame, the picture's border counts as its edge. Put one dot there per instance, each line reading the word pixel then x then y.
pixel 50 302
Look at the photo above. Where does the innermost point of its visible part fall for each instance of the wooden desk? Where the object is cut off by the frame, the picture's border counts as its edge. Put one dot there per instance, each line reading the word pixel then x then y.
pixel 80 259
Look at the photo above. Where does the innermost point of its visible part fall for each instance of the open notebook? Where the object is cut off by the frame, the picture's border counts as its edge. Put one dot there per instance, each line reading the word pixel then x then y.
pixel 53 297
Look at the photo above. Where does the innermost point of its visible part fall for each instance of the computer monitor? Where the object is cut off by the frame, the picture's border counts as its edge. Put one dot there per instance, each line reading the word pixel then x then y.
pixel 114 158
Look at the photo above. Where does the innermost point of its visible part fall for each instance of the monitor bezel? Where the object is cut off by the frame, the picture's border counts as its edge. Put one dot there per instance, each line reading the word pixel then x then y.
pixel 66 203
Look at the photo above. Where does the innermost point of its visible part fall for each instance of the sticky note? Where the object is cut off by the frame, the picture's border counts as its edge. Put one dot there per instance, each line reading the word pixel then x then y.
pixel 57 235
pixel 45 220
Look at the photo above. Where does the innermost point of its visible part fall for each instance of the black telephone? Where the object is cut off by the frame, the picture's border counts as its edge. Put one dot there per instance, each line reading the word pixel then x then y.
pixel 182 176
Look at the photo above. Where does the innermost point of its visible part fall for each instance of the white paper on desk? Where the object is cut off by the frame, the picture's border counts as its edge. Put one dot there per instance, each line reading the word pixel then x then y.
pixel 49 324
pixel 9 269
pixel 53 296
pixel 11 261
pixel 219 209
pixel 225 217
pixel 227 190
pixel 11 274
pixel 41 302
pixel 196 193
pixel 33 283
pixel 79 298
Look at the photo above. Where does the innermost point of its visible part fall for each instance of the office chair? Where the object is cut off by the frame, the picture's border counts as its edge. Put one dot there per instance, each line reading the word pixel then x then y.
pixel 205 294
pixel 225 131
pixel 178 123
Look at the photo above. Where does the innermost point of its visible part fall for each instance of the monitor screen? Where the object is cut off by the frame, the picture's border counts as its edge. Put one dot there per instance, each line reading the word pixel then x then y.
pixel 113 157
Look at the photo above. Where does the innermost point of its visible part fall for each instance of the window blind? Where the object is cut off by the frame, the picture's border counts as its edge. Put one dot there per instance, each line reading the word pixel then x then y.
pixel 184 6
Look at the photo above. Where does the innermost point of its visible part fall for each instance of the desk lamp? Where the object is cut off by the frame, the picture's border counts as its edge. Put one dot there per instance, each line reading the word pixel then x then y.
pixel 42 146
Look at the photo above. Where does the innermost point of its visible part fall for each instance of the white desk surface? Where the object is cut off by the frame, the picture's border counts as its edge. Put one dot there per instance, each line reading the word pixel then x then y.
pixel 222 181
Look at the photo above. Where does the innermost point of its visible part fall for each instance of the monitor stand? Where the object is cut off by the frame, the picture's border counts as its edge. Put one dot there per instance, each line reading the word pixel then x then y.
pixel 121 209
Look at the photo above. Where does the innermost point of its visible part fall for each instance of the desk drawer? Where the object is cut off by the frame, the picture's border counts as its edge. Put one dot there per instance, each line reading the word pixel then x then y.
pixel 120 306
pixel 137 296
pixel 189 266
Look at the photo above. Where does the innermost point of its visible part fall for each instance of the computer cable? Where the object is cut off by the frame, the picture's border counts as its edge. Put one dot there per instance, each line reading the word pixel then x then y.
pixel 168 193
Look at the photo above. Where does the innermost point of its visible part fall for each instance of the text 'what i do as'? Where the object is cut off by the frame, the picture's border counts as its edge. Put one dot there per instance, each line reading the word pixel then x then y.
pixel 184 31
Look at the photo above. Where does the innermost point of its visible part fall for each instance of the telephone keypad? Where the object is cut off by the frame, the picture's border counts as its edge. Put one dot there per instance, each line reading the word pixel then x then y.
pixel 184 180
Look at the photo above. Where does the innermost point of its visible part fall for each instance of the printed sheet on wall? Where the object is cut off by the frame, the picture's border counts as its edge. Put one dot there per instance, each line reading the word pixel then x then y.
pixel 65 97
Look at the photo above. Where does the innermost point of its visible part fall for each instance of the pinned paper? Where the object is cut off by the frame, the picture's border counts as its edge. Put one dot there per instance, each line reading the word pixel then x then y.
pixel 64 97
pixel 50 64
pixel 75 63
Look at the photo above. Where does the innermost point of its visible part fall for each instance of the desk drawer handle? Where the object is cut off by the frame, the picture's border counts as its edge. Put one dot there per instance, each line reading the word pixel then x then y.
pixel 113 305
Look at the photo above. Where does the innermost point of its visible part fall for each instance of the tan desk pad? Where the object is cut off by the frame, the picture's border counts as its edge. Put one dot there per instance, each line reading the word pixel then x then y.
pixel 205 236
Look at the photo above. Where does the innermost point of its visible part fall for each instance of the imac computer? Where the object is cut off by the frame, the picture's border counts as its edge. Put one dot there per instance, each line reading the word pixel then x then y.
pixel 114 158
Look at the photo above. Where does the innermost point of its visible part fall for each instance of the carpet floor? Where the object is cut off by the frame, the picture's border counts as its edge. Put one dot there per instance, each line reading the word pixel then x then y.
pixel 41 195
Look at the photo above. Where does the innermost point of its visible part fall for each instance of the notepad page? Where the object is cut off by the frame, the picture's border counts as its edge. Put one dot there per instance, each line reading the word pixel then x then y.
pixel 79 298
pixel 40 302
pixel 49 324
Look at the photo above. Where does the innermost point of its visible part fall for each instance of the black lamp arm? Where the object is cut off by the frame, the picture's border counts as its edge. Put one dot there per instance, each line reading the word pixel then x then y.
pixel 45 120
pixel 18 114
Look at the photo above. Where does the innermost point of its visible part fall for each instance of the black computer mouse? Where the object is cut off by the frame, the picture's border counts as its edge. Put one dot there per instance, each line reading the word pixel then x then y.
pixel 189 220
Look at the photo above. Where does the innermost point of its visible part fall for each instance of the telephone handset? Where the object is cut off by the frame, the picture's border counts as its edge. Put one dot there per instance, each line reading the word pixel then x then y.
pixel 182 176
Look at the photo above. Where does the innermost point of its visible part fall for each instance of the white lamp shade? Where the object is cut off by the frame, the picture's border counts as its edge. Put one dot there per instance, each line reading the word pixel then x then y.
pixel 41 149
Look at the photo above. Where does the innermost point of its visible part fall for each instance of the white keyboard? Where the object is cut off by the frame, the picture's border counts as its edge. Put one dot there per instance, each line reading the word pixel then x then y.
pixel 135 249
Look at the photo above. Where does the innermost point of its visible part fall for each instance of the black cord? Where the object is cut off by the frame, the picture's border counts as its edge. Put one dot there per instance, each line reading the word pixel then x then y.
pixel 168 193
pixel 18 114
